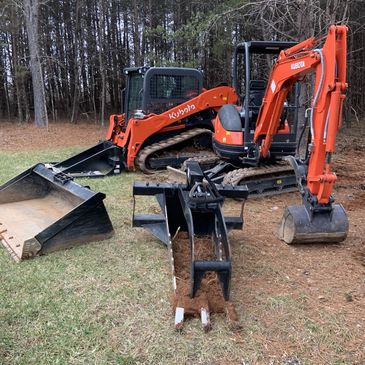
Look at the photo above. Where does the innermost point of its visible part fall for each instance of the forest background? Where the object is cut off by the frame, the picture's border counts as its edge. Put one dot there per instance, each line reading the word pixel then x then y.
pixel 67 56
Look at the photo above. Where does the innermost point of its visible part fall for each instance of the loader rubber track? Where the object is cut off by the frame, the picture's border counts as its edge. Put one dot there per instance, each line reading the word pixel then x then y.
pixel 145 153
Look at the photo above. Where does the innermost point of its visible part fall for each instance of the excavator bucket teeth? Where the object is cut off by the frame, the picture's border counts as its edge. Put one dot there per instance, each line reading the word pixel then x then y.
pixel 42 211
pixel 298 225
pixel 97 161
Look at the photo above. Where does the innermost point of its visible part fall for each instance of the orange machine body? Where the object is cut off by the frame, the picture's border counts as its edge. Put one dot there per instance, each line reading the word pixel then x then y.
pixel 131 135
pixel 236 138
pixel 329 66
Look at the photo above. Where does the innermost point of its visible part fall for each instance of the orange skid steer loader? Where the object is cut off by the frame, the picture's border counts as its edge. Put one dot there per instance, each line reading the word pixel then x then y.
pixel 43 209
pixel 167 118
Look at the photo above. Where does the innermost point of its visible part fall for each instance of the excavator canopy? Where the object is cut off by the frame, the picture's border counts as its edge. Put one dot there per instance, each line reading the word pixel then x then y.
pixel 43 211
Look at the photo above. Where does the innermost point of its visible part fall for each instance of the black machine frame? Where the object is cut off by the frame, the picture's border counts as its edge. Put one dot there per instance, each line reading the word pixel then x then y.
pixel 194 207
pixel 282 144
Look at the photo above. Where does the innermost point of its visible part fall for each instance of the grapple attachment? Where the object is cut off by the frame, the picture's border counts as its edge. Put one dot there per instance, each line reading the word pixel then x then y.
pixel 42 211
pixel 196 209
pixel 300 225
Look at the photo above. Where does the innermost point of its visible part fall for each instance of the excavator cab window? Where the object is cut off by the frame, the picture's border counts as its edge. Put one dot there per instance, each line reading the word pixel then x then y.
pixel 251 69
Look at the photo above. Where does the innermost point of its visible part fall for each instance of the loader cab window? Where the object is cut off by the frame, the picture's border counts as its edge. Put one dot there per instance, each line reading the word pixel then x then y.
pixel 167 91
pixel 134 94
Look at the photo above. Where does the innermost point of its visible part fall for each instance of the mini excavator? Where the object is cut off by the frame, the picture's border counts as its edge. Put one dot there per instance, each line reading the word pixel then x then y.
pixel 317 219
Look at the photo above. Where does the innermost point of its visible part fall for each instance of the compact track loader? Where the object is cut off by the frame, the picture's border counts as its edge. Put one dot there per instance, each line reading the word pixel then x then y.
pixel 42 211
pixel 165 110
pixel 169 118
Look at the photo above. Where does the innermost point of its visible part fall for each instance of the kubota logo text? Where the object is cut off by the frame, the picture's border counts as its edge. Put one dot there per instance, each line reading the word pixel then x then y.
pixel 296 65
pixel 181 112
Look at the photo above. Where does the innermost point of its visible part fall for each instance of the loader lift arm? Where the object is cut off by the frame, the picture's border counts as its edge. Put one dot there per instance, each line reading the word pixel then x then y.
pixel 329 66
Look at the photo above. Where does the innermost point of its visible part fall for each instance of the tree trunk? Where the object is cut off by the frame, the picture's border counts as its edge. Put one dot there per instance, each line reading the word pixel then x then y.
pixel 77 43
pixel 31 8
pixel 101 26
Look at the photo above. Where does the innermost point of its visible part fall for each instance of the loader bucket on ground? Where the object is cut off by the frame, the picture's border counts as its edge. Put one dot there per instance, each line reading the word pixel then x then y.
pixel 98 161
pixel 298 225
pixel 42 211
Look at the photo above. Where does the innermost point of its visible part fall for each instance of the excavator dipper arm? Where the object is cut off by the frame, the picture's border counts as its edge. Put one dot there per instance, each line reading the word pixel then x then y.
pixel 329 65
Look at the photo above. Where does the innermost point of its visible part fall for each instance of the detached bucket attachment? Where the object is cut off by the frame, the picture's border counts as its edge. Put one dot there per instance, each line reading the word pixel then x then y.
pixel 299 225
pixel 97 161
pixel 42 211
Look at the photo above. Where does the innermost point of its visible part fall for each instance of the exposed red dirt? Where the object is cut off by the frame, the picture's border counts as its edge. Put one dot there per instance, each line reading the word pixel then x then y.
pixel 325 281
pixel 15 136
pixel 209 295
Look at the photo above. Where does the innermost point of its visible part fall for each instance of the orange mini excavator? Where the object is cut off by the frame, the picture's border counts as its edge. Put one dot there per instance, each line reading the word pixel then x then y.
pixel 196 206
pixel 317 219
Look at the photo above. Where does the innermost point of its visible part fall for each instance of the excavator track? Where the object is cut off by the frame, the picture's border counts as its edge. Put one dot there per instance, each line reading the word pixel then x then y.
pixel 145 153
pixel 235 177
pixel 265 180
pixel 204 159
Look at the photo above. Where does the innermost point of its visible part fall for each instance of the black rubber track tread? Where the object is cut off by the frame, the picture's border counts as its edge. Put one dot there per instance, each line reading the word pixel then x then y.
pixel 238 176
pixel 142 157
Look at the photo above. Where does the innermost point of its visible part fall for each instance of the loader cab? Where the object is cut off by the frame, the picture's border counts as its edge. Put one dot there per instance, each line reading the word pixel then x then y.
pixel 158 89
pixel 252 63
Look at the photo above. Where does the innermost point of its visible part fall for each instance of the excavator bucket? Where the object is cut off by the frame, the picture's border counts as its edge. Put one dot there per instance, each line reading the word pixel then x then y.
pixel 300 225
pixel 97 161
pixel 42 211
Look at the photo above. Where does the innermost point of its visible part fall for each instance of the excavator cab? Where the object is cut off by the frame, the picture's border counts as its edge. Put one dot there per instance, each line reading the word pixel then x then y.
pixel 235 126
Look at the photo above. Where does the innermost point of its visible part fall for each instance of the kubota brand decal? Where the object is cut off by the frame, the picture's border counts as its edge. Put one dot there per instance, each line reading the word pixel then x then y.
pixel 296 65
pixel 181 112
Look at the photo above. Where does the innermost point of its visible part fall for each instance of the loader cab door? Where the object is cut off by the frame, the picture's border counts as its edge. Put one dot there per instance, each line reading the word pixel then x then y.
pixel 133 95
pixel 158 89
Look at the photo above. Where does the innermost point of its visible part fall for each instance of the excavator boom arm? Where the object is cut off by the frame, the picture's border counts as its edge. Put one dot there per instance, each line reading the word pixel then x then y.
pixel 329 66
